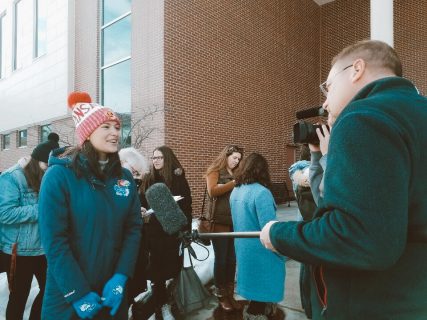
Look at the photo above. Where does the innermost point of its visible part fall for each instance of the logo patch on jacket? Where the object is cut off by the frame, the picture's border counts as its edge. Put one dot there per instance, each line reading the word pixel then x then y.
pixel 122 188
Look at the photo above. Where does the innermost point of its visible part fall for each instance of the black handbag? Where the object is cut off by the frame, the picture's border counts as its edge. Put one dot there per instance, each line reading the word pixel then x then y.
pixel 189 293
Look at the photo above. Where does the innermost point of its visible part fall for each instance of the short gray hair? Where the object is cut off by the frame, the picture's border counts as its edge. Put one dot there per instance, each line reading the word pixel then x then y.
pixel 376 53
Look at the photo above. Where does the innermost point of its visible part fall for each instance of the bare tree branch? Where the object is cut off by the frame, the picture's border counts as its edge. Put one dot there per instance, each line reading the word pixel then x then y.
pixel 138 128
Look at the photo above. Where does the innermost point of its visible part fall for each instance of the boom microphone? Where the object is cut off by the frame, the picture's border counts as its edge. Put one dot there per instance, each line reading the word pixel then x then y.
pixel 312 112
pixel 166 210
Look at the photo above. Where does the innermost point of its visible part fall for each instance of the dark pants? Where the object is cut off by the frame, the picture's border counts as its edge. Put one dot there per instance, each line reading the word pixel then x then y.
pixel 304 284
pixel 26 268
pixel 225 261
pixel 160 294
pixel 138 283
pixel 256 307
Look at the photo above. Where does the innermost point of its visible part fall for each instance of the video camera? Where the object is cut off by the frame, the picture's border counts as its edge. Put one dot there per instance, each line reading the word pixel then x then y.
pixel 305 132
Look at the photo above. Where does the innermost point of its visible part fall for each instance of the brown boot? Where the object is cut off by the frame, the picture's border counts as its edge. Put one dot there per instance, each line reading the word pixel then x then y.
pixel 224 302
pixel 235 304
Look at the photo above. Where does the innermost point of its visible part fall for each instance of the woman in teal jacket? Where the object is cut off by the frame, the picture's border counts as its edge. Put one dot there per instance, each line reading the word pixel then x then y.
pixel 19 230
pixel 90 221
pixel 260 272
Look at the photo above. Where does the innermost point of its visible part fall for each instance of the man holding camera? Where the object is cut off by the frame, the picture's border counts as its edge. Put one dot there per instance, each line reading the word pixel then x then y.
pixel 368 241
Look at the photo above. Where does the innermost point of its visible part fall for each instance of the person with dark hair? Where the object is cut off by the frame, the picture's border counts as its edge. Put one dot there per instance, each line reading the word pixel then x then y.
pixel 90 220
pixel 367 243
pixel 252 206
pixel 19 230
pixel 220 183
pixel 165 260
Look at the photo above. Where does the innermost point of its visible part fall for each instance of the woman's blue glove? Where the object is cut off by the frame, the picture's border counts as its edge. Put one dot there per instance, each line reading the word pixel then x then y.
pixel 112 295
pixel 88 306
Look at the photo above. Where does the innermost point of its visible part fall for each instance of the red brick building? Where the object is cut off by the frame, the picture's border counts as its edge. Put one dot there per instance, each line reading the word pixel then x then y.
pixel 224 71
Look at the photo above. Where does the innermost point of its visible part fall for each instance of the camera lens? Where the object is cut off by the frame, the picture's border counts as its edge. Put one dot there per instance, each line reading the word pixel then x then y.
pixel 305 132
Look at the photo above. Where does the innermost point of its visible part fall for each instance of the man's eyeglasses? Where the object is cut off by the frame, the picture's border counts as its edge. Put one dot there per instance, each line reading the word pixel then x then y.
pixel 324 86
pixel 157 158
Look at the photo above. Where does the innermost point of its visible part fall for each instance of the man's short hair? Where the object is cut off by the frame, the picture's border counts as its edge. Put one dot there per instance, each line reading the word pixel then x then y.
pixel 375 53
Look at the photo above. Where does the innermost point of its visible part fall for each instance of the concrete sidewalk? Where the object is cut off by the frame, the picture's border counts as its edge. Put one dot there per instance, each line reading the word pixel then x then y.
pixel 291 304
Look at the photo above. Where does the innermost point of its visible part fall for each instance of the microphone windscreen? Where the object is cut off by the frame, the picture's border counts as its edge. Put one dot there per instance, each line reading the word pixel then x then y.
pixel 166 210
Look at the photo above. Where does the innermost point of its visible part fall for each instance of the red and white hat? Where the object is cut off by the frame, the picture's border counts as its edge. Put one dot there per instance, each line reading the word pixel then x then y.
pixel 88 116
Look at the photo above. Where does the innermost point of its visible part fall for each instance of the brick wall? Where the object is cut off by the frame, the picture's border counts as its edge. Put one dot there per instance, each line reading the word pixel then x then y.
pixel 147 73
pixel 85 60
pixel 235 72
pixel 343 22
pixel 410 40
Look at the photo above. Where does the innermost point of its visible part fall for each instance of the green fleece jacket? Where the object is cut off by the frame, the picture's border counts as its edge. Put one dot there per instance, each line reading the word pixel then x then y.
pixel 368 258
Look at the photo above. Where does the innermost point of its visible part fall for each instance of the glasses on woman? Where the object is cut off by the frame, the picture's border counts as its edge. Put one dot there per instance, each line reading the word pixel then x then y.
pixel 157 158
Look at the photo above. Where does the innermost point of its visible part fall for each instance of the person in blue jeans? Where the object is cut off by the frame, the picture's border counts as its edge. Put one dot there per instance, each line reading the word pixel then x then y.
pixel 90 220
pixel 23 256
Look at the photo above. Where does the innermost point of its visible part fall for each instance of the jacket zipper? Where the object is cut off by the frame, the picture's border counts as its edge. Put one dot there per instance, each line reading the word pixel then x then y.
pixel 317 273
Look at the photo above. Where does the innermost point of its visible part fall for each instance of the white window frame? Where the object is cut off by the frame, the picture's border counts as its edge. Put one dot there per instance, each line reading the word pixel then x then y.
pixel 20 145
pixel 14 34
pixel 3 142
pixel 2 47
pixel 36 51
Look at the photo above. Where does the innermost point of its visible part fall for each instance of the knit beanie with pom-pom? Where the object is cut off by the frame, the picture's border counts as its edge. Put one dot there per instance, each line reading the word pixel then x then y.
pixel 88 116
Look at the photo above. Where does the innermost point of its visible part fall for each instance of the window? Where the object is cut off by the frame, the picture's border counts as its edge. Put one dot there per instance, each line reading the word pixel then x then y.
pixel 112 9
pixel 2 45
pixel 115 60
pixel 115 46
pixel 22 138
pixel 40 22
pixel 117 87
pixel 6 141
pixel 44 132
pixel 22 33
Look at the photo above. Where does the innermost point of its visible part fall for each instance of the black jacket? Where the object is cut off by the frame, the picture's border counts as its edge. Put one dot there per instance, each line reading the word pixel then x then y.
pixel 164 261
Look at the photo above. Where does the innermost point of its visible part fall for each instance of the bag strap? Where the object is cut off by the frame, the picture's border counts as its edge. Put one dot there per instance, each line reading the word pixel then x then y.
pixel 204 201
pixel 189 257
pixel 192 253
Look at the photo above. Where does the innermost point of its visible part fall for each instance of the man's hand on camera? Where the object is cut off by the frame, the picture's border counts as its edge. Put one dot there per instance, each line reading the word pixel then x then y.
pixel 324 139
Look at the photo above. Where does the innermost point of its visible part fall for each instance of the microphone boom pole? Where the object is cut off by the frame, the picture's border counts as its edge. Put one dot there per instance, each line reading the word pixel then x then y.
pixel 212 235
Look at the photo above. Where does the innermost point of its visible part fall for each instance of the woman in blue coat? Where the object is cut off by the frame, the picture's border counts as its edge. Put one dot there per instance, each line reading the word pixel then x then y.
pixel 90 221
pixel 19 230
pixel 260 272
